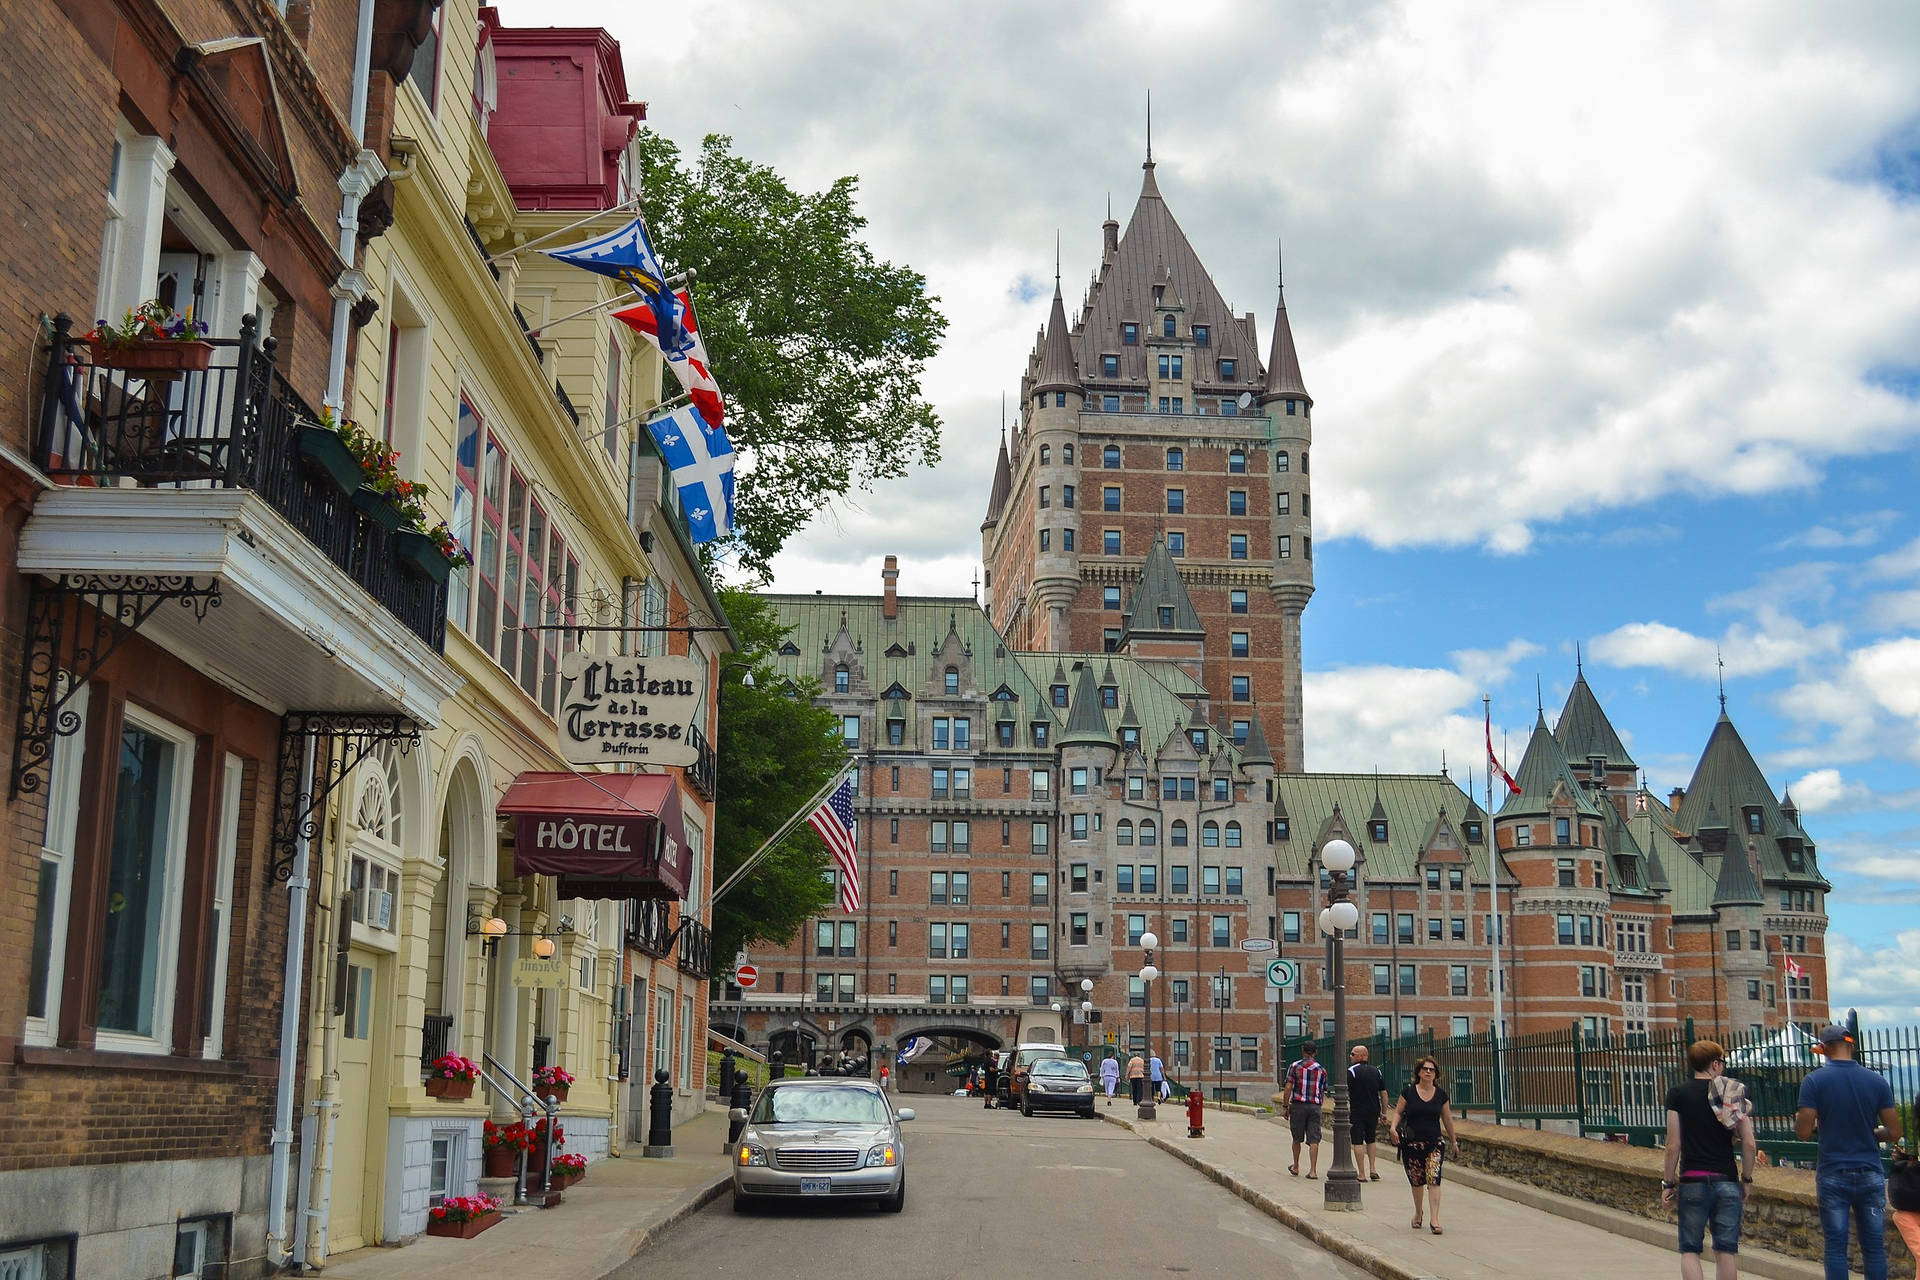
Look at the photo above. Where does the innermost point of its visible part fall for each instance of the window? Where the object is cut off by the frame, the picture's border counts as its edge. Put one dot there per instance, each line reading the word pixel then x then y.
pixel 1177 880
pixel 1236 546
pixel 1563 926
pixel 1229 369
pixel 1290 926
pixel 1110 497
pixel 1408 980
pixel 1110 404
pixel 1176 546
pixel 850 731
pixel 936 988
pixel 1166 326
pixel 1383 979
pixel 1380 928
pixel 1733 939
pixel 1403 926
pixel 1066 496
pixel 1457 980
pixel 1037 895
pixel 1523 835
pixel 1176 501
pixel 1280 461
pixel 200 1244
pixel 1202 335
pixel 1563 834
pixel 1234 881
pixel 1041 785
pixel 1178 929
pixel 1129 334
pixel 1176 460
pixel 1046 539
pixel 937 941
pixel 1040 947
pixel 936 892
pixel 1177 834
pixel 1237 600
pixel 1077 827
pixel 1222 931
pixel 1283 546
pixel 951 681
pixel 1210 880
pixel 1110 366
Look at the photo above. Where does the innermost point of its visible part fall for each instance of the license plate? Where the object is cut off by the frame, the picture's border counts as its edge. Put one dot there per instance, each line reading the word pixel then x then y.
pixel 816 1186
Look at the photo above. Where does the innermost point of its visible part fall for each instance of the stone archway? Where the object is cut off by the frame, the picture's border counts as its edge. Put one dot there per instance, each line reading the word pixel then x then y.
pixel 942 1068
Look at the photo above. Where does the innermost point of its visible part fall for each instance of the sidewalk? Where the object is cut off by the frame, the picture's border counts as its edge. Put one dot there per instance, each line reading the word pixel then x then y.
pixel 606 1219
pixel 1489 1236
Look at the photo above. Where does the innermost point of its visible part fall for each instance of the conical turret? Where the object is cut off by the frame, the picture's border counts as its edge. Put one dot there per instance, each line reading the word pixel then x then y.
pixel 1283 362
pixel 1057 368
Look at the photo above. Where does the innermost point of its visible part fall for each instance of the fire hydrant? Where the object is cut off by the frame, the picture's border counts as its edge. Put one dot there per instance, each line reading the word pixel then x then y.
pixel 1196 1114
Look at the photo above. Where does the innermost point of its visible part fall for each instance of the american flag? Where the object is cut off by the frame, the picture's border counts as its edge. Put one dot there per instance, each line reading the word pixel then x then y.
pixel 1794 970
pixel 834 821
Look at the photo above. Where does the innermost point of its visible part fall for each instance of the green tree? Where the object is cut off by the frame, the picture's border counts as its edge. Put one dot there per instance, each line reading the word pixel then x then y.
pixel 776 749
pixel 817 346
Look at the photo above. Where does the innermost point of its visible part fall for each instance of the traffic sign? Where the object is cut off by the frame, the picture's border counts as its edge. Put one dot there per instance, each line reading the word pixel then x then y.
pixel 745 976
pixel 1283 973
pixel 1256 944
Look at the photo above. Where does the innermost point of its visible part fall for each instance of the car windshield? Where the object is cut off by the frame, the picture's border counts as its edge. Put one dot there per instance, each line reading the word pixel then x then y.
pixel 820 1106
pixel 1030 1056
pixel 1059 1067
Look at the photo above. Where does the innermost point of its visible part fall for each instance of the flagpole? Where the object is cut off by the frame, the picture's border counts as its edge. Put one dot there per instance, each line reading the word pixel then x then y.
pixel 629 204
pixel 1786 979
pixel 1493 881
pixel 786 828
pixel 685 277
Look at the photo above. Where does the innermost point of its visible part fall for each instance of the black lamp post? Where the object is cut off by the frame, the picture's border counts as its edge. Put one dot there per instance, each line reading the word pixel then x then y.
pixel 1340 915
pixel 1148 973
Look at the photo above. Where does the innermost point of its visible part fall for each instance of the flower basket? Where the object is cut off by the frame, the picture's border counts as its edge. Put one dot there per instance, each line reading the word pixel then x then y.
pixel 449 1090
pixel 328 457
pixel 499 1161
pixel 463 1230
pixel 558 1092
pixel 158 356
pixel 420 556
pixel 377 508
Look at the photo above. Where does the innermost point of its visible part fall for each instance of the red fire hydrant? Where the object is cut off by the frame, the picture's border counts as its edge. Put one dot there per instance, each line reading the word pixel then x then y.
pixel 1196 1114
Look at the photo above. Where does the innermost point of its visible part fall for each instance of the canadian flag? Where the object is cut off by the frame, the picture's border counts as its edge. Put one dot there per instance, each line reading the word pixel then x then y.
pixel 688 359
pixel 1493 761
pixel 1794 970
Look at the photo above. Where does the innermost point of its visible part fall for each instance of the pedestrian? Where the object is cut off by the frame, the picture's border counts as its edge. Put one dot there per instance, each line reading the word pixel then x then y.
pixel 1109 1076
pixel 886 1080
pixel 1157 1075
pixel 1136 1076
pixel 1704 1116
pixel 1841 1100
pixel 1366 1099
pixel 1300 1100
pixel 990 1079
pixel 1424 1111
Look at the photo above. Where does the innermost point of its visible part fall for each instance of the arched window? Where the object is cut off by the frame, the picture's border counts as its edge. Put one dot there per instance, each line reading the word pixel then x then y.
pixel 1280 460
pixel 1304 468
pixel 1176 460
pixel 1233 835
pixel 1066 454
pixel 953 680
pixel 1123 834
pixel 1046 452
pixel 1236 463
pixel 1210 835
pixel 841 679
pixel 1177 834
pixel 1149 834
pixel 1110 457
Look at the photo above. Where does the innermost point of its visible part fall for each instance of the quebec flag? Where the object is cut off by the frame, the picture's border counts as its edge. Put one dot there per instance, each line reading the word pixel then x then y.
pixel 701 459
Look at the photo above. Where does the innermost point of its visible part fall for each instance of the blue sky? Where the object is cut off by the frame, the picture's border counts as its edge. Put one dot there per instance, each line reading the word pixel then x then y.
pixel 1611 315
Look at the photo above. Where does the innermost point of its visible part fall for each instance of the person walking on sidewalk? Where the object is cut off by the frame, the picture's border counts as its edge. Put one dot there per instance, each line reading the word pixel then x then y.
pixel 1305 1090
pixel 1841 1100
pixel 1704 1116
pixel 1367 1098
pixel 1424 1112
pixel 1136 1076
pixel 1157 1077
pixel 1109 1076
pixel 990 1078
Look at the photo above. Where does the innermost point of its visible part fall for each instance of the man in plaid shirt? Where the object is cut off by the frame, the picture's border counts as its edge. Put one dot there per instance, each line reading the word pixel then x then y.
pixel 1300 1103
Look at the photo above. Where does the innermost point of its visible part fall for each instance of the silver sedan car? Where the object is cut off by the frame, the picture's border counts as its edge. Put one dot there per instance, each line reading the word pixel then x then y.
pixel 821 1137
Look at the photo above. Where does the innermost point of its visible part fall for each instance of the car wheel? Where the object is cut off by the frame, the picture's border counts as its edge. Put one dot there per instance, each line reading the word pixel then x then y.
pixel 898 1200
pixel 741 1204
pixel 1026 1109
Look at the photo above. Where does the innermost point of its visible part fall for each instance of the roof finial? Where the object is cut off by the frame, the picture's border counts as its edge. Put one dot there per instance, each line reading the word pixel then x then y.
pixel 1149 163
pixel 976 584
pixel 1279 265
pixel 1578 668
pixel 1109 206
pixel 1721 663
pixel 1443 762
pixel 1003 418
pixel 1539 697
pixel 1056 259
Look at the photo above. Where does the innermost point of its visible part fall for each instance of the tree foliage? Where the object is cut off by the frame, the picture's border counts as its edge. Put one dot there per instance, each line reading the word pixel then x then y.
pixel 776 749
pixel 817 346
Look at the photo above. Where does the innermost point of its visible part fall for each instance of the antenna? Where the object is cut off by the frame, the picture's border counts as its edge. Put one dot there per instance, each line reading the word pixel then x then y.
pixel 1721 663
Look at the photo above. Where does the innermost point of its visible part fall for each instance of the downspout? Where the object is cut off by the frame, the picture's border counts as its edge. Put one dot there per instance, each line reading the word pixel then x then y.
pixel 356 180
pixel 290 1004
pixel 311 1250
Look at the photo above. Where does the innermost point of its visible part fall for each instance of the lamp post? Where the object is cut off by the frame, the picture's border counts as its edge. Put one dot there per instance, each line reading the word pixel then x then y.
pixel 1340 915
pixel 1148 973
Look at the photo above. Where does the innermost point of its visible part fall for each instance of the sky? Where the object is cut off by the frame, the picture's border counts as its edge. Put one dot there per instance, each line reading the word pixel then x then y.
pixel 1611 316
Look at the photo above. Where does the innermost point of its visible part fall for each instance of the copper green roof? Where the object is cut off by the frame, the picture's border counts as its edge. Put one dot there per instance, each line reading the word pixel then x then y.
pixel 1584 731
pixel 1161 589
pixel 1726 783
pixel 1157 697
pixel 1735 886
pixel 1689 885
pixel 1411 803
pixel 1542 769
pixel 1087 720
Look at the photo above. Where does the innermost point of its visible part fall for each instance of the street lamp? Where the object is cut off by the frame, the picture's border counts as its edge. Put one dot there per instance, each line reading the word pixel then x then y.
pixel 1340 915
pixel 1148 973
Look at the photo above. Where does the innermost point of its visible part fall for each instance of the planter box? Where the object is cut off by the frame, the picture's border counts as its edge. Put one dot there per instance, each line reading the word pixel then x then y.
pixel 463 1230
pixel 451 1090
pixel 557 1091
pixel 419 556
pixel 326 456
pixel 500 1162
pixel 161 357
pixel 374 505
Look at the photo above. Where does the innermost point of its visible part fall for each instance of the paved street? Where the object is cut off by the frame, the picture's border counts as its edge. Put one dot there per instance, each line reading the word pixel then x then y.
pixel 989 1189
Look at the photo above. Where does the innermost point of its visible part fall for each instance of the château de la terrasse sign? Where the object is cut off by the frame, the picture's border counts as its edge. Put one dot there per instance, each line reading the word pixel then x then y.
pixel 630 710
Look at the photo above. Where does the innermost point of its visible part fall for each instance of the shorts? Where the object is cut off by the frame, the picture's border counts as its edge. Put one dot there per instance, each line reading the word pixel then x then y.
pixel 1365 1129
pixel 1710 1201
pixel 1423 1161
pixel 1305 1122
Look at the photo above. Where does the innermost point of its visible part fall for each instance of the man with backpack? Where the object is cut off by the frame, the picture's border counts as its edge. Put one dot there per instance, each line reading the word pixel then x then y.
pixel 1842 1100
pixel 1704 1116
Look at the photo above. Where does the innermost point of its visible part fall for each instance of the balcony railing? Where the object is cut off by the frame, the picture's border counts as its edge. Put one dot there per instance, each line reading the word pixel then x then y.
pixel 704 772
pixel 234 425
pixel 650 932
pixel 696 949
pixel 436 1038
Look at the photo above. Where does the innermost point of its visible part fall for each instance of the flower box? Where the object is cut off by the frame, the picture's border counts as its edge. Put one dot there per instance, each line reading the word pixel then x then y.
pixel 558 1092
pixel 327 456
pixel 158 356
pixel 418 555
pixel 377 508
pixel 450 1090
pixel 500 1161
pixel 463 1230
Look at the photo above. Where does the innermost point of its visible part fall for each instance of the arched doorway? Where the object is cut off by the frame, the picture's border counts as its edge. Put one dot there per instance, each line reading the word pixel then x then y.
pixel 943 1065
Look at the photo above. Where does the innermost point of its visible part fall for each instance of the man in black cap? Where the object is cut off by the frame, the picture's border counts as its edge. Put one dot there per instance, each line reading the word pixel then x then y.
pixel 1842 1099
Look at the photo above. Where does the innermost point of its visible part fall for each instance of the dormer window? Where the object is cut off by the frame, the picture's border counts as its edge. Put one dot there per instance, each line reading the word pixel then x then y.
pixel 1166 615
pixel 1199 739
pixel 1059 693
pixel 1129 334
pixel 1004 694
pixel 789 650
pixel 1130 741
pixel 1110 696
pixel 1473 833
pixel 1597 767
pixel 1167 326
pixel 1379 832
pixel 1229 369
pixel 1753 820
pixel 841 679
pixel 1202 335
pixel 952 681
pixel 1110 366
pixel 1282 829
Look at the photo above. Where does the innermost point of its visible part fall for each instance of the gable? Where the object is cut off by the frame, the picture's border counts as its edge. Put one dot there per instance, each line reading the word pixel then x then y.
pixel 236 79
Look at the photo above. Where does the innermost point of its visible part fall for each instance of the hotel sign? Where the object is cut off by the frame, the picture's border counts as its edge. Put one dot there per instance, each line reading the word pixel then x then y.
pixel 629 710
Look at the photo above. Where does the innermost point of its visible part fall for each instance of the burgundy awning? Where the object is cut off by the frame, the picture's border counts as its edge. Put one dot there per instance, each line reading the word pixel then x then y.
pixel 606 835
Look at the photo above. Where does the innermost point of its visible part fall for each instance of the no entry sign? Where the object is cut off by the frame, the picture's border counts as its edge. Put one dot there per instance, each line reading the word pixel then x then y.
pixel 745 976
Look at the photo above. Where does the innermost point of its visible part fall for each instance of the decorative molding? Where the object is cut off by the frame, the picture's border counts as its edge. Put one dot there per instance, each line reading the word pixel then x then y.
pixel 342 739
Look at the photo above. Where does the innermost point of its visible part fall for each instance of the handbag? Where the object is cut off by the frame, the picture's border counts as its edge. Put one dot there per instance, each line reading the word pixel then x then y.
pixel 1729 1100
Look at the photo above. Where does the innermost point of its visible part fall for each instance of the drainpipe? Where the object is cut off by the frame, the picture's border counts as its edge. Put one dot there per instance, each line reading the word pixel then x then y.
pixel 356 180
pixel 277 1233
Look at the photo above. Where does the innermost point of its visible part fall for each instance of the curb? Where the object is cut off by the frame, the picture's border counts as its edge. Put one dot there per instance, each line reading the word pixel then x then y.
pixel 698 1198
pixel 1336 1242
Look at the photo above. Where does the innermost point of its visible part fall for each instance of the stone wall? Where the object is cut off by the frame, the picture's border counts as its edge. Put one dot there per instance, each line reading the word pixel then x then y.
pixel 1782 1215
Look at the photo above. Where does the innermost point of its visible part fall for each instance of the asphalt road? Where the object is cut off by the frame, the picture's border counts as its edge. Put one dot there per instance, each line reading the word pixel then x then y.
pixel 990 1193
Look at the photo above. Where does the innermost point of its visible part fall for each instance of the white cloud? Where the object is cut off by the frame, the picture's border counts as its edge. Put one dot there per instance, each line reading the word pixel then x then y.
pixel 1824 790
pixel 1867 703
pixel 1409 719
pixel 1773 641
pixel 1882 982
pixel 1862 529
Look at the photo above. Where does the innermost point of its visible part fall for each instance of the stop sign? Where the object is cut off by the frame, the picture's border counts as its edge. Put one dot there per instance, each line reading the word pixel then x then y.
pixel 745 976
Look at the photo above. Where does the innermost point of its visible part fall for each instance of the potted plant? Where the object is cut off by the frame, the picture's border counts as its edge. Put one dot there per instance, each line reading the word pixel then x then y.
pixel 501 1146
pixel 388 499
pixel 430 553
pixel 569 1169
pixel 153 339
pixel 552 1081
pixel 463 1217
pixel 536 1140
pixel 331 450
pixel 451 1077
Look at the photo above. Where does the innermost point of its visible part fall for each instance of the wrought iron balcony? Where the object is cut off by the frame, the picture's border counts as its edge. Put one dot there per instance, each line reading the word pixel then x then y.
pixel 233 425
pixel 696 948
pixel 704 772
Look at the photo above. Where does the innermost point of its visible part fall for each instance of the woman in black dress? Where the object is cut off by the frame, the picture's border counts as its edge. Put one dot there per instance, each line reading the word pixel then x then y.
pixel 1418 1120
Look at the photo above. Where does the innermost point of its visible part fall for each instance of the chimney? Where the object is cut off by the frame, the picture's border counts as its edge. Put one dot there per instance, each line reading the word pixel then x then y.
pixel 890 578
pixel 1674 798
pixel 1110 233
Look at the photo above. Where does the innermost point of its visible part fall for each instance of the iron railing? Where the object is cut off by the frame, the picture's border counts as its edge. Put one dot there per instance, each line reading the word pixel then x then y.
pixel 651 931
pixel 233 425
pixel 704 773
pixel 696 948
pixel 436 1038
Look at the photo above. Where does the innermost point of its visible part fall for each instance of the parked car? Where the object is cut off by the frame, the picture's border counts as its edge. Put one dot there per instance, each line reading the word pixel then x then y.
pixel 1058 1084
pixel 821 1136
pixel 1016 1063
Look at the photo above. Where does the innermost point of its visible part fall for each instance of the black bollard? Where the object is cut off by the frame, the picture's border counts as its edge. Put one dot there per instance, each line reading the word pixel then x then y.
pixel 660 1119
pixel 726 1075
pixel 777 1066
pixel 742 1100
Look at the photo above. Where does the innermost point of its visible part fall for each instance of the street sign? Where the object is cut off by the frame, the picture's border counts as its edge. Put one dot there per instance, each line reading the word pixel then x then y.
pixel 745 976
pixel 740 958
pixel 1256 944
pixel 1274 994
pixel 1283 973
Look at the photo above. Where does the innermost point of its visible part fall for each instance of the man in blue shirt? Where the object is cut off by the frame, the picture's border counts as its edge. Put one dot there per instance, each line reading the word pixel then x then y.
pixel 1843 1099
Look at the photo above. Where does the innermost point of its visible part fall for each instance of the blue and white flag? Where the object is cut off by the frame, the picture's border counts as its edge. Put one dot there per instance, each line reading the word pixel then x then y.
pixel 701 459
pixel 628 255
pixel 913 1049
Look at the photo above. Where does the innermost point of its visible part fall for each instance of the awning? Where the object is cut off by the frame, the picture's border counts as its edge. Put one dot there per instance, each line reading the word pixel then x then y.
pixel 606 835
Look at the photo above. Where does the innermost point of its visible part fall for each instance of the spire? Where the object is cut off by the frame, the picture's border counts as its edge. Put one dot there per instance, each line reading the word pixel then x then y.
pixel 1283 362
pixel 1161 606
pixel 1583 730
pixel 1056 361
pixel 1149 163
pixel 1256 751
pixel 1086 719
pixel 1736 886
pixel 1543 770
pixel 1002 482
pixel 1721 663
